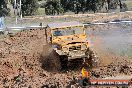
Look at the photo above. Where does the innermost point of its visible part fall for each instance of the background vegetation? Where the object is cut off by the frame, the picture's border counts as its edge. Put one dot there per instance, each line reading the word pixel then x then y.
pixel 4 11
pixel 56 7
pixel 61 6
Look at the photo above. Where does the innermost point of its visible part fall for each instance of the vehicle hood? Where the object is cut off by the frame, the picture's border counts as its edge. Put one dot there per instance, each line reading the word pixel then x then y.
pixel 64 40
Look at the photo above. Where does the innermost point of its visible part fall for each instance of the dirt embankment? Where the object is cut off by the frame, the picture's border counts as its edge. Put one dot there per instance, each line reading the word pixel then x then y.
pixel 19 57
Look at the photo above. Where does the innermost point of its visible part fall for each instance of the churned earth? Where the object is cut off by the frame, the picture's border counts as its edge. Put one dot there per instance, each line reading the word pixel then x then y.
pixel 24 58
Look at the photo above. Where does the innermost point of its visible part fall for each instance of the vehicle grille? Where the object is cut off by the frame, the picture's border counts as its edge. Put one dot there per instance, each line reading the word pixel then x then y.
pixel 75 48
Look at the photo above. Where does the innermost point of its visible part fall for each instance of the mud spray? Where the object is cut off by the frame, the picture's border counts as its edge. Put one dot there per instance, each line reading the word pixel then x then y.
pixel 24 58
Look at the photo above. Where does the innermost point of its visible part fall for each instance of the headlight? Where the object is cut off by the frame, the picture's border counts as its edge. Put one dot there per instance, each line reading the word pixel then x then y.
pixel 83 47
pixel 56 46
pixel 65 49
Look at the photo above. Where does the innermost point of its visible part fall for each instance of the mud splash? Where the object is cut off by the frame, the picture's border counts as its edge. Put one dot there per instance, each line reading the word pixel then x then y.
pixel 114 38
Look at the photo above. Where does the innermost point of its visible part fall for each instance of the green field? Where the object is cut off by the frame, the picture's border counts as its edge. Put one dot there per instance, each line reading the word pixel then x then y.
pixel 41 11
pixel 129 4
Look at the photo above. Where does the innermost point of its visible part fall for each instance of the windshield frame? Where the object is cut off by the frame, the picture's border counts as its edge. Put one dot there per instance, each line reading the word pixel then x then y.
pixel 70 28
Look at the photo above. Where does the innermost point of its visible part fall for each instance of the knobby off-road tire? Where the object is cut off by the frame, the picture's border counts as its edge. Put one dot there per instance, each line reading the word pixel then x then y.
pixel 64 62
pixel 92 60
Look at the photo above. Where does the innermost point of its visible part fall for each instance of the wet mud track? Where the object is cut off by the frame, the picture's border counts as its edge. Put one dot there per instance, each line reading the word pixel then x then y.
pixel 20 64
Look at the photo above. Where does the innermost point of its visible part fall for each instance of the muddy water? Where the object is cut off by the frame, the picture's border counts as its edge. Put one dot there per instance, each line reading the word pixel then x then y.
pixel 113 38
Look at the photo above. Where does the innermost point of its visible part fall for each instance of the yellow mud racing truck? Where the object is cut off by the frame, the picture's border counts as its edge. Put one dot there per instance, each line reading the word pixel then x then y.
pixel 69 40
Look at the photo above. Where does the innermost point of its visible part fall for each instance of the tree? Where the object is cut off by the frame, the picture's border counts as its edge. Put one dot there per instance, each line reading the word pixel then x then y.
pixel 112 4
pixel 29 7
pixel 120 4
pixel 4 11
pixel 53 7
pixel 124 7
pixel 77 6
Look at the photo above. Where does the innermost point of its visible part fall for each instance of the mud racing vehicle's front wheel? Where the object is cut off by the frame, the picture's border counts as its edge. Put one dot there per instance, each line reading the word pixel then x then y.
pixel 92 59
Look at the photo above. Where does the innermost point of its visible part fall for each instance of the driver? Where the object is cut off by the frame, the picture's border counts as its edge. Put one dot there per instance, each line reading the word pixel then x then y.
pixel 57 33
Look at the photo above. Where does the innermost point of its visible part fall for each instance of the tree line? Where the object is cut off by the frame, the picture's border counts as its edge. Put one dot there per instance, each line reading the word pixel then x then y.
pixel 53 7
pixel 61 6
pixel 4 10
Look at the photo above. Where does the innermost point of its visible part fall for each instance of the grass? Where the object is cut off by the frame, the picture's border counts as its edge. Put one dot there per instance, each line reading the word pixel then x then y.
pixel 129 3
pixel 41 11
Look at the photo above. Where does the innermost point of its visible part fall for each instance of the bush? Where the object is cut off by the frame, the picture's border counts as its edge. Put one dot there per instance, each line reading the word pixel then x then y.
pixel 4 11
pixel 29 7
pixel 124 7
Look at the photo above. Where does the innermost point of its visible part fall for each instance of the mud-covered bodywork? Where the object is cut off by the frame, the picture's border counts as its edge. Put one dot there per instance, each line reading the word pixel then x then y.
pixel 68 39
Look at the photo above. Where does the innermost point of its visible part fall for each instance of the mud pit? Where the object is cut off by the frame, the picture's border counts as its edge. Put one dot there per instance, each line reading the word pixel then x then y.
pixel 22 58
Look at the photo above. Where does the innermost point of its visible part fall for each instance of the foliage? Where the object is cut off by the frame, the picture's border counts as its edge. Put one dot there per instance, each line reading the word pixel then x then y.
pixel 29 7
pixel 124 7
pixel 55 6
pixel 4 11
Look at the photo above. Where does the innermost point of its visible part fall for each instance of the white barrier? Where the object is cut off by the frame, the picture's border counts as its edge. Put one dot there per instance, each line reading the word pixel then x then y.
pixel 86 24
